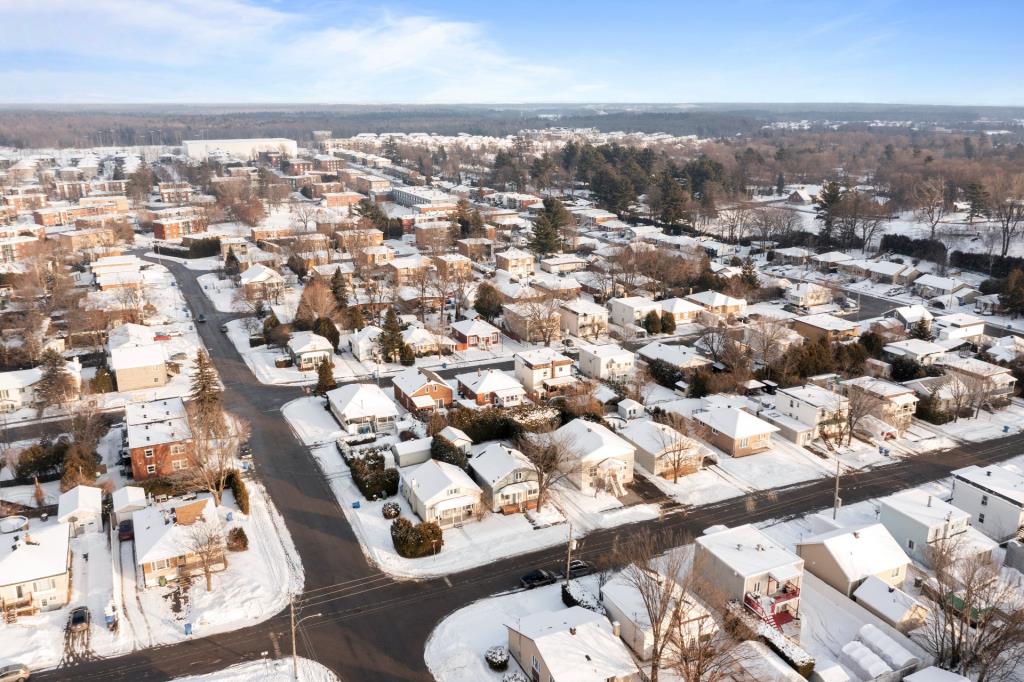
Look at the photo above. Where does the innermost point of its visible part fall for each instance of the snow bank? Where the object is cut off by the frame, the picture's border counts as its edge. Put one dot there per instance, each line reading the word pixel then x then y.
pixel 267 670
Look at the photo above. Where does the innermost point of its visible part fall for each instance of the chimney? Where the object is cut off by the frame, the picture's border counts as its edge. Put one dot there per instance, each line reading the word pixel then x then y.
pixel 616 628
pixel 739 546
pixel 856 534
pixel 988 472
pixel 929 500
pixel 572 630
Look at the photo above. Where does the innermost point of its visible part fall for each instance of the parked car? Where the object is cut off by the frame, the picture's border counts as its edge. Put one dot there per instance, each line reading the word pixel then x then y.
pixel 201 318
pixel 224 328
pixel 14 673
pixel 538 578
pixel 579 568
pixel 125 530
pixel 79 619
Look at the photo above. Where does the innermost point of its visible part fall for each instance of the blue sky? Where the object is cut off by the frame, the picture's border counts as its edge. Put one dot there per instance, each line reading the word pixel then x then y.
pixel 942 52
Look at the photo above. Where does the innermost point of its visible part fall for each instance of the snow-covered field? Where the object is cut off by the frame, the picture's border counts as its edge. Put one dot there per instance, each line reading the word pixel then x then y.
pixel 267 670
pixel 221 293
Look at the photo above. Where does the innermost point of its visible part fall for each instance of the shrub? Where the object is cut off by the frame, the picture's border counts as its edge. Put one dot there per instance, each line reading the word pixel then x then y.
pixel 442 450
pixel 926 249
pixel 574 594
pixel 514 676
pixel 238 541
pixel 372 479
pixel 413 542
pixel 157 486
pixel 391 510
pixel 497 658
pixel 406 356
pixel 664 373
pixel 238 490
pixel 42 459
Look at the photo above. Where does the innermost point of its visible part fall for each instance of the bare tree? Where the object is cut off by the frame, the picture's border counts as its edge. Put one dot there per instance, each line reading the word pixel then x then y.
pixel 303 214
pixel 861 404
pixel 679 451
pixel 552 459
pixel 766 337
pixel 1006 205
pixel 959 392
pixel 930 198
pixel 214 456
pixel 205 544
pixel 977 623
pixel 543 320
pixel 317 301
pixel 713 340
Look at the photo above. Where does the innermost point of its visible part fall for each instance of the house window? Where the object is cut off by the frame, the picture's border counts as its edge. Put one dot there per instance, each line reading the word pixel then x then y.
pixel 148 452
pixel 744 442
pixel 984 500
pixel 981 518
pixel 534 663
pixel 179 464
pixel 150 468
pixel 177 449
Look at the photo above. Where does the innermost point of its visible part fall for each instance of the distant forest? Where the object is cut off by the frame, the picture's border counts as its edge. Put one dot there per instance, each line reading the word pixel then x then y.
pixel 68 126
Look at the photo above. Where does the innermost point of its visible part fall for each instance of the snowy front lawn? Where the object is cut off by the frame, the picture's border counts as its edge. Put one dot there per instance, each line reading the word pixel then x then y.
pixel 221 292
pixel 987 425
pixel 267 670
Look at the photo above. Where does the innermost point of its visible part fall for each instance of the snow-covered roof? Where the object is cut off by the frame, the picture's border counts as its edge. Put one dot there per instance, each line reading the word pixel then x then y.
pixel 308 342
pixel 456 437
pixel 911 313
pixel 541 356
pixel 933 674
pixel 678 356
pixel 490 381
pixel 354 401
pixel 259 273
pixel 959 320
pixel 127 357
pixel 831 257
pixel 412 379
pixel 582 306
pixel 878 387
pixel 80 500
pixel 860 552
pixel 927 509
pixel 678 306
pixel 891 603
pixel 593 442
pixel 433 478
pixel 42 552
pixel 914 348
pixel 20 379
pixel 886 267
pixel 940 283
pixel 159 536
pixel 828 322
pixel 577 645
pixel 515 254
pixel 750 552
pixel 814 395
pixel 1000 480
pixel 128 498
pixel 607 351
pixel 654 437
pixel 129 334
pixel 154 411
pixel 475 327
pixel 496 461
pixel 635 302
pixel 714 299
pixel 976 367
pixel 734 422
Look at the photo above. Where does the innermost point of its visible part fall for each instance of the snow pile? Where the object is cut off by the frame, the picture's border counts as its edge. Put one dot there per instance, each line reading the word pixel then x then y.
pixel 863 661
pixel 267 670
pixel 581 596
pixel 886 648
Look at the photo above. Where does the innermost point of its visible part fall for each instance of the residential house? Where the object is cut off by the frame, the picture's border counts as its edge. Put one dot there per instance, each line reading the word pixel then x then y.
pixel 261 283
pixel 538 323
pixel 808 294
pixel 930 286
pixel 424 342
pixel 363 343
pixel 491 387
pixel 419 389
pixel 895 403
pixel 475 334
pixel 830 261
pixel 457 437
pixel 894 606
pixel 606 362
pixel 158 438
pixel 507 478
pixel 994 497
pixel 35 569
pixel 82 509
pixel 599 460
pixel 683 358
pixel 477 249
pixel 845 557
pixel 828 327
pixel 362 409
pixel 17 388
pixel 308 350
pixel 889 272
pixel 629 312
pixel 583 319
pixel 681 310
pixel 910 315
pixel 372 257
pixel 718 304
pixel 744 564
pixel 163 540
pixel 543 371
pixel 922 352
pixel 135 358
pixel 736 431
pixel 516 262
pixel 402 270
pixel 453 265
pixel 563 263
pixel 793 255
pixel 411 452
pixel 922 524
pixel 959 327
pixel 996 382
pixel 568 645
pixel 442 493
pixel 824 411
pixel 661 450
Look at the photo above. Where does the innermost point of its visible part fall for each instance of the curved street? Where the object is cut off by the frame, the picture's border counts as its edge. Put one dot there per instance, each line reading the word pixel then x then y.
pixel 374 627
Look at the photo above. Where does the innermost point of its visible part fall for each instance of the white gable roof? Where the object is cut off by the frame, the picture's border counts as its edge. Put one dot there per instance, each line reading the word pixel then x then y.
pixel 734 422
pixel 433 478
pixel 80 500
pixel 860 552
pixel 354 401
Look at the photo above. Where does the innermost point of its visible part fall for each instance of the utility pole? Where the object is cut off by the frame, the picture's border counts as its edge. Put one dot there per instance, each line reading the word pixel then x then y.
pixel 568 553
pixel 295 627
pixel 836 500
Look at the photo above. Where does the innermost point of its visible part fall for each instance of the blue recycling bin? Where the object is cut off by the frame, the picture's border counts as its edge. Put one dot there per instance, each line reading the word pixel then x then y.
pixel 188 629
pixel 231 516
pixel 1006 428
pixel 356 505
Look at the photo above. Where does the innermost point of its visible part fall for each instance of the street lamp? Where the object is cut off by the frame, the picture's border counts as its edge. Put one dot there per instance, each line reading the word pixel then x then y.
pixel 295 627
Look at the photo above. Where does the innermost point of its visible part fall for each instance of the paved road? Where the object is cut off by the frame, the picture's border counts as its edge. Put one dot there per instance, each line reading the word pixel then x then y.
pixel 373 627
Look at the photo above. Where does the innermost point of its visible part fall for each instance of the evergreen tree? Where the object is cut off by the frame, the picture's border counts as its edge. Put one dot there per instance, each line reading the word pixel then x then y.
pixel 672 199
pixel 206 395
pixel 103 381
pixel 390 339
pixel 443 450
pixel 780 184
pixel 55 384
pixel 547 228
pixel 487 302
pixel 748 275
pixel 1012 297
pixel 327 329
pixel 324 378
pixel 668 323
pixel 977 201
pixel 652 322
pixel 390 150
pixel 339 289
pixel 355 318
pixel 231 265
pixel 921 330
pixel 825 208
pixel 407 356
pixel 79 467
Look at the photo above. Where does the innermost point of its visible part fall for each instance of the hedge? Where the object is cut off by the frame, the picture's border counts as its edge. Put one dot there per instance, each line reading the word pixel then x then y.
pixel 413 542
pixel 925 249
pixel 373 480
pixel 238 490
pixel 979 262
